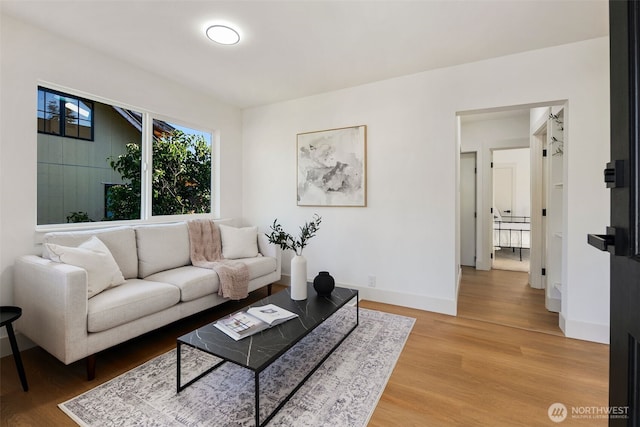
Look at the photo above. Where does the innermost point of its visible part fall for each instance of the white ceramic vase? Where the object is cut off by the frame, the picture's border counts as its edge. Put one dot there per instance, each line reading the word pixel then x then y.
pixel 298 278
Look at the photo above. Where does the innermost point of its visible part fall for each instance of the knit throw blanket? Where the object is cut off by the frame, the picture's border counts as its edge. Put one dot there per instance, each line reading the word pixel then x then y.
pixel 206 252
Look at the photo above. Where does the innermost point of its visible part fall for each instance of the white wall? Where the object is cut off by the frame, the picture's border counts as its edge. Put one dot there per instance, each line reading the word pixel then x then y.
pixel 30 56
pixel 485 137
pixel 407 234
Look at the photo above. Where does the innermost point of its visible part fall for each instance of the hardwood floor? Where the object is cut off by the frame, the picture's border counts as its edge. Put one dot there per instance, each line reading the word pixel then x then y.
pixel 453 371
pixel 505 298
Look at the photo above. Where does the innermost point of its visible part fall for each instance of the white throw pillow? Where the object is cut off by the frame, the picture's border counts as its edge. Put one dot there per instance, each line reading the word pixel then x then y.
pixel 94 256
pixel 239 242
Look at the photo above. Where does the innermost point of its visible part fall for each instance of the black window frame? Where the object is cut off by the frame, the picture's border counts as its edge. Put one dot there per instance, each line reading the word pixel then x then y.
pixel 63 116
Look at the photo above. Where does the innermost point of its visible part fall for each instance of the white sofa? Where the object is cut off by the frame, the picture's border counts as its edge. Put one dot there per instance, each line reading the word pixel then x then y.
pixel 160 287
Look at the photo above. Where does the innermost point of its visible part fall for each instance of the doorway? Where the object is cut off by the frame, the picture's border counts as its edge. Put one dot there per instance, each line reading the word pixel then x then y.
pixel 512 209
pixel 508 184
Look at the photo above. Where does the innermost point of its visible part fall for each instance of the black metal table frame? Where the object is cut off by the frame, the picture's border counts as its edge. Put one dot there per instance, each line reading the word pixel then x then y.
pixel 258 371
pixel 525 220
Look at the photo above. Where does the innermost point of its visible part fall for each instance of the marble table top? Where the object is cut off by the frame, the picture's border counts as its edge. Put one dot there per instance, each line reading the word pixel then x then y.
pixel 258 351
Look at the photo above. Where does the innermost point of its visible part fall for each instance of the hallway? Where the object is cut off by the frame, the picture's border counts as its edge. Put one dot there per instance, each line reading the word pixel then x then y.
pixel 504 298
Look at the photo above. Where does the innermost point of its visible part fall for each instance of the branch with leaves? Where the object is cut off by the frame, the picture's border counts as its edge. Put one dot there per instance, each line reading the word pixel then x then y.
pixel 286 241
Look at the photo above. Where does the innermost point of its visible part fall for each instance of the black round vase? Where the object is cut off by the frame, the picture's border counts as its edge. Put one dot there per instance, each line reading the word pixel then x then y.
pixel 324 284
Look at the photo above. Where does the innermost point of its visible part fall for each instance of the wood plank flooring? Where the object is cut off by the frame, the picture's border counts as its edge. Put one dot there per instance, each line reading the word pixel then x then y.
pixel 504 298
pixel 452 372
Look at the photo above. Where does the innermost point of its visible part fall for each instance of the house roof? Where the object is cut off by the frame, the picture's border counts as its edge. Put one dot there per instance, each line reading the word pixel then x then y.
pixel 135 119
pixel 292 49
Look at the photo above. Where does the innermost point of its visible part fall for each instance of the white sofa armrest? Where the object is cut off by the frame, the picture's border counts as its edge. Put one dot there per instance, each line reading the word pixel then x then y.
pixel 53 298
pixel 270 250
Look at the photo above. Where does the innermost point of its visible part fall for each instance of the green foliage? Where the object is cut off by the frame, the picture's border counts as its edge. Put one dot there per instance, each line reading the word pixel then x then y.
pixel 78 217
pixel 181 178
pixel 286 241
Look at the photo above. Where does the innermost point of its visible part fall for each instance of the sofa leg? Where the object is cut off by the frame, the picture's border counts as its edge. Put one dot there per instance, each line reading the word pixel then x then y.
pixel 91 367
pixel 269 286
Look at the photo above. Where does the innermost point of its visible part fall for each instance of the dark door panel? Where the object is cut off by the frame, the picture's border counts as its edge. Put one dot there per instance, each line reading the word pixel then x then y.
pixel 624 365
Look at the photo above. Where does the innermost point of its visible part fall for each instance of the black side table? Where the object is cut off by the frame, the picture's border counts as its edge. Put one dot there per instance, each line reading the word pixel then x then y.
pixel 7 315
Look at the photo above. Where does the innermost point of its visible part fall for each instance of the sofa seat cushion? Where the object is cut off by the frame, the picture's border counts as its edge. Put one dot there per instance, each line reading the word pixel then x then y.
pixel 259 266
pixel 132 300
pixel 193 282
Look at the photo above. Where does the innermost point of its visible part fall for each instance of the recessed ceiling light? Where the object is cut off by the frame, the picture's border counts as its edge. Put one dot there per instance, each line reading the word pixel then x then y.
pixel 223 34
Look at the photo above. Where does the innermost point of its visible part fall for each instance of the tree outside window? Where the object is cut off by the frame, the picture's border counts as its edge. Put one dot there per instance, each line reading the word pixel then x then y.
pixel 181 177
pixel 102 179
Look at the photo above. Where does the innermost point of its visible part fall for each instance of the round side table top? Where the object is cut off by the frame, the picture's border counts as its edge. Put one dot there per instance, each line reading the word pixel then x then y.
pixel 8 314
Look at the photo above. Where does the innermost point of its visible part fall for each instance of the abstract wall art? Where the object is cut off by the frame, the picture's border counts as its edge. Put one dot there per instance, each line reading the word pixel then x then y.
pixel 332 167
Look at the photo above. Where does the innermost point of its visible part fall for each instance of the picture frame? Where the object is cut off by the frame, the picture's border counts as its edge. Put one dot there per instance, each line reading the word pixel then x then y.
pixel 332 168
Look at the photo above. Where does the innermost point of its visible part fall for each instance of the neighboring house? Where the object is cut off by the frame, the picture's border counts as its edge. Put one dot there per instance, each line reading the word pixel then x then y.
pixel 74 172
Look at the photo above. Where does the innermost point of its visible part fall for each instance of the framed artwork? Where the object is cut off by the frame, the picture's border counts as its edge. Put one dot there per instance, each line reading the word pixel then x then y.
pixel 332 167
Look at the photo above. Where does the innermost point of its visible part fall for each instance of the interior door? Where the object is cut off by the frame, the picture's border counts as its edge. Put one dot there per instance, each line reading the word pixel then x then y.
pixel 503 189
pixel 623 238
pixel 468 209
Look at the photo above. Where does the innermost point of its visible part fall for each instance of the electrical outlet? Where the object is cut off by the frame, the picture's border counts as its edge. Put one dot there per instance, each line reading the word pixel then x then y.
pixel 372 281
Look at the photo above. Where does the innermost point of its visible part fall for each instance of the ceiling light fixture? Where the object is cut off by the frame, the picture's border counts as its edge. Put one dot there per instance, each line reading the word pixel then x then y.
pixel 223 34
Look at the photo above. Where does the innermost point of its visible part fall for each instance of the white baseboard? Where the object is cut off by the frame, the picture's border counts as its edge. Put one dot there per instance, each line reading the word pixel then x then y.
pixel 553 304
pixel 562 323
pixel 23 344
pixel 421 302
pixel 594 332
pixel 285 279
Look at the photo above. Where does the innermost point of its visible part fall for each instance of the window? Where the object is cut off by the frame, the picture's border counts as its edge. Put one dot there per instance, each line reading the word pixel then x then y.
pixel 105 180
pixel 65 115
pixel 181 178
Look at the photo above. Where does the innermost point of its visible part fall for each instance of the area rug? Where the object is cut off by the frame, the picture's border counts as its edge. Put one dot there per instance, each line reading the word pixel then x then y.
pixel 344 391
pixel 510 260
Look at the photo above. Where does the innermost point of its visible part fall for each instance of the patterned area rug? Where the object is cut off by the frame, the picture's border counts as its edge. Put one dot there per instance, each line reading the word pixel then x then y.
pixel 344 391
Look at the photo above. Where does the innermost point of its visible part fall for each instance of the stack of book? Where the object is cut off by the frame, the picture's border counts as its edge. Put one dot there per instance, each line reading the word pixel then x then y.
pixel 245 323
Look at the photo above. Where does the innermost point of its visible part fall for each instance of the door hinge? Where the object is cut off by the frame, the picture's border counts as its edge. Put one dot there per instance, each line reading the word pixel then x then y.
pixel 491 210
pixel 491 256
pixel 544 212
pixel 491 164
pixel 544 153
pixel 475 214
pixel 544 271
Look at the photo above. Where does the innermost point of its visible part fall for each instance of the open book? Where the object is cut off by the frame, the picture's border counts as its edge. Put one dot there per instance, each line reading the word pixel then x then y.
pixel 254 320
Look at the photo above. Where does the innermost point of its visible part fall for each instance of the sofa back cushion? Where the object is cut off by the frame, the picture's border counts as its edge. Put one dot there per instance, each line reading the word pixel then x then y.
pixel 94 256
pixel 121 242
pixel 238 242
pixel 162 247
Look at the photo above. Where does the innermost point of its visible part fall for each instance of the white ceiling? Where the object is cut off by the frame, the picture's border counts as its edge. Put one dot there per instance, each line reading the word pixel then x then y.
pixel 292 49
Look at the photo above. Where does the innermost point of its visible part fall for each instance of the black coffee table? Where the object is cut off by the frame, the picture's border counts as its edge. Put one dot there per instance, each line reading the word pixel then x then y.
pixel 258 351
